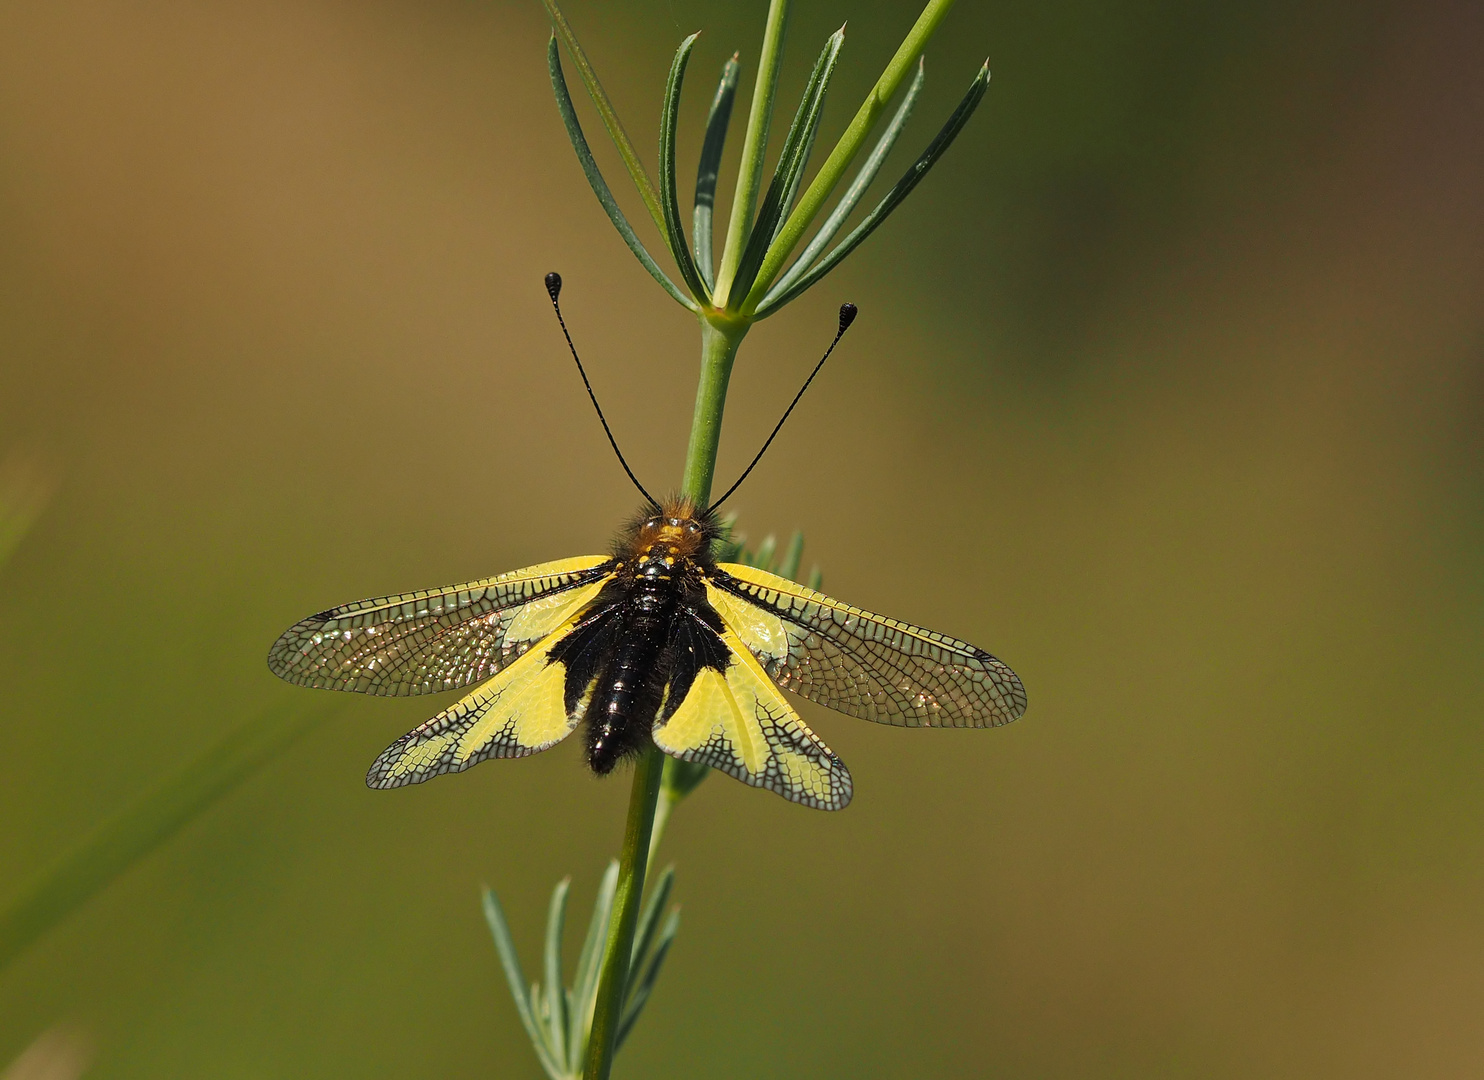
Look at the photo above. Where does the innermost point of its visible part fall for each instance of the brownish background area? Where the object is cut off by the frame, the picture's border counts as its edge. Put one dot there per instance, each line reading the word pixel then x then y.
pixel 1166 388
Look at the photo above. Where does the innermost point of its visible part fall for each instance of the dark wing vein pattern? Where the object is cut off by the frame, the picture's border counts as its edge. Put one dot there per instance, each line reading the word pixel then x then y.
pixel 424 642
pixel 722 710
pixel 869 666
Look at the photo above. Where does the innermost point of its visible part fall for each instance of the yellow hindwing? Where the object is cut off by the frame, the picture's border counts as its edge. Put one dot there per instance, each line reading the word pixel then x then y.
pixel 738 721
pixel 520 711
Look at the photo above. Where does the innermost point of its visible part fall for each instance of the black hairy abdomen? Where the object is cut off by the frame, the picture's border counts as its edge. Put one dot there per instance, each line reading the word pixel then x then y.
pixel 627 694
pixel 637 638
pixel 617 652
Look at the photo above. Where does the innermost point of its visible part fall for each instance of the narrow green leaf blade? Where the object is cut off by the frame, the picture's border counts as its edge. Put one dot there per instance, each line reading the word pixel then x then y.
pixel 846 148
pixel 788 566
pixel 791 162
pixel 148 822
pixel 754 148
pixel 539 1006
pixel 494 915
pixel 680 780
pixel 609 114
pixel 899 191
pixel 599 185
pixel 556 998
pixel 853 194
pixel 645 985
pixel 816 579
pixel 763 560
pixel 649 919
pixel 717 121
pixel 589 960
pixel 669 197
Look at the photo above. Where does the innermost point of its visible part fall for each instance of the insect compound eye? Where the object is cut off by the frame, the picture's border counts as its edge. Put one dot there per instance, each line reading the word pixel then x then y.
pixel 675 521
pixel 691 526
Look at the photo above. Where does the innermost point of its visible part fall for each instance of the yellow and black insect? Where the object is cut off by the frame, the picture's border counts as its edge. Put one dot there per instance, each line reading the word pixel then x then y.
pixel 656 642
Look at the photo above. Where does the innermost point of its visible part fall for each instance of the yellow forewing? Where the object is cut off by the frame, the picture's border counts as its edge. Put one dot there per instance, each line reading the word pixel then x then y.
pixel 531 715
pixel 540 617
pixel 861 663
pixel 424 642
pixel 739 722
pixel 757 628
pixel 520 711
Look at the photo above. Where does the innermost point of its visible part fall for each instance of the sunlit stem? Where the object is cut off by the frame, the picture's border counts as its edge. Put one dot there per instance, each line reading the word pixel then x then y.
pixel 719 341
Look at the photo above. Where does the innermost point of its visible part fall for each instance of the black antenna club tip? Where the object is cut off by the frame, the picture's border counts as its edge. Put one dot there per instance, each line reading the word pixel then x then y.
pixel 554 285
pixel 847 316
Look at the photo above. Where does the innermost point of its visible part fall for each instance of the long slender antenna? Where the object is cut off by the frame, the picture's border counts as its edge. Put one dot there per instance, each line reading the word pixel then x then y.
pixel 554 289
pixel 847 316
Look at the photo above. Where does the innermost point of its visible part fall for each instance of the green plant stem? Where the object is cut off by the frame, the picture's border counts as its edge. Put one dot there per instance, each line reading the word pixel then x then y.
pixel 850 144
pixel 719 341
pixel 754 149
pixel 613 976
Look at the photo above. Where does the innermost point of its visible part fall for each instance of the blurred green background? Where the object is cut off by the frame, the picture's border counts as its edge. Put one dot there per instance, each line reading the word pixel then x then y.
pixel 1167 388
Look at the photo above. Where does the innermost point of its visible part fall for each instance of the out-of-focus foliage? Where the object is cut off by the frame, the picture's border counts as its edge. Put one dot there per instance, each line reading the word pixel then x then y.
pixel 58 1053
pixel 25 487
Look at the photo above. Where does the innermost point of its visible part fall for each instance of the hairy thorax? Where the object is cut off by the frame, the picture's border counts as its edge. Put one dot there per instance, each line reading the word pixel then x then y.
pixel 661 560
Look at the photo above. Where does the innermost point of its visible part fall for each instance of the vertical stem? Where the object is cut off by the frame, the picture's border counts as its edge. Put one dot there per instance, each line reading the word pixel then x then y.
pixel 719 343
pixel 613 977
pixel 754 149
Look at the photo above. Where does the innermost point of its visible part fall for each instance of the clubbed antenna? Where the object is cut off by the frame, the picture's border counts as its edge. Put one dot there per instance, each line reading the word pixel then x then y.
pixel 554 290
pixel 847 316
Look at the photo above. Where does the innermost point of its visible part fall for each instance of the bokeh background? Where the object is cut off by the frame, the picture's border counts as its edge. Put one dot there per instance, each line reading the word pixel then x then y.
pixel 1167 388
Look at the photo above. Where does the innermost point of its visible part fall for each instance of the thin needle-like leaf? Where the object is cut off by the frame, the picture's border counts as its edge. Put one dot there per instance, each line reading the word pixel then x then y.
pixel 543 1025
pixel 679 779
pixel 147 823
pixel 816 579
pixel 649 919
pixel 848 146
pixel 788 566
pixel 494 915
pixel 599 185
pixel 610 116
pixel 763 560
pixel 863 178
pixel 754 148
pixel 899 191
pixel 575 1045
pixel 645 986
pixel 556 998
pixel 791 162
pixel 585 978
pixel 717 121
pixel 669 198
